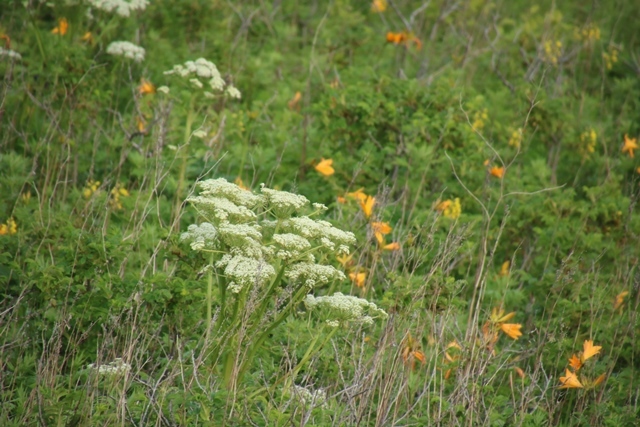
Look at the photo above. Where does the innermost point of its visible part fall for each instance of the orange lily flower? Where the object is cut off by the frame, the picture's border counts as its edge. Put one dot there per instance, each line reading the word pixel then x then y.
pixel 394 246
pixel 63 26
pixel 496 171
pixel 570 381
pixel 358 278
pixel 589 350
pixel 630 144
pixel 146 87
pixel 367 205
pixel 324 167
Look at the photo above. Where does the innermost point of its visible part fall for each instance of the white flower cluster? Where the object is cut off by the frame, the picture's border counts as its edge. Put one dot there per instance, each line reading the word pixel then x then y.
pixel 315 398
pixel 205 70
pixel 291 246
pixel 345 308
pixel 121 7
pixel 222 188
pixel 254 245
pixel 282 203
pixel 10 53
pixel 326 234
pixel 126 49
pixel 203 236
pixel 245 271
pixel 312 274
pixel 113 368
pixel 222 209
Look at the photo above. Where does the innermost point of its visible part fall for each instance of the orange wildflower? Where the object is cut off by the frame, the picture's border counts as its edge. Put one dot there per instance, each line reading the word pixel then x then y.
pixel 519 371
pixel 570 381
pixel 367 205
pixel 63 26
pixel 589 350
pixel 10 227
pixel 379 6
pixel 324 167
pixel 411 351
pixel 512 330
pixel 620 300
pixel 497 171
pixel 630 144
pixel 141 125
pixel 394 246
pixel 358 278
pixel 344 259
pixel 238 181
pixel 358 195
pixel 599 380
pixel 380 229
pixel 575 363
pixel 293 103
pixel 341 200
pixel 498 316
pixel 146 87
pixel 504 269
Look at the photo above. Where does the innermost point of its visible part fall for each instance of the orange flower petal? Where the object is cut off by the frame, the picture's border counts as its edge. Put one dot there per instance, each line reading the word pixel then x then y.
pixel 394 246
pixel 570 381
pixel 575 362
pixel 324 167
pixel 590 350
pixel 512 330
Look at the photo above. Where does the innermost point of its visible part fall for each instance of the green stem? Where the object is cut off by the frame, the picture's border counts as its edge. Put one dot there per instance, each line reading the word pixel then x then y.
pixel 256 345
pixel 185 156
pixel 210 294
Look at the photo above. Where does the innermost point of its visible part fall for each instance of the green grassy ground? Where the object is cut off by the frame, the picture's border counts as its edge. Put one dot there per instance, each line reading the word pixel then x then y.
pixel 481 154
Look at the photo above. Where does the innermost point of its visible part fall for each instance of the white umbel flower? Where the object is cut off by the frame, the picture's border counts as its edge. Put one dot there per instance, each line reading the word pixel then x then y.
pixel 345 308
pixel 112 368
pixel 283 203
pixel 203 236
pixel 322 231
pixel 243 271
pixel 222 188
pixel 312 398
pixel 126 49
pixel 10 53
pixel 291 246
pixel 121 7
pixel 312 274
pixel 221 209
pixel 233 92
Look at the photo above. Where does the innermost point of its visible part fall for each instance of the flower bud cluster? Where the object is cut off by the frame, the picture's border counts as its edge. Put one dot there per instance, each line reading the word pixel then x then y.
pixel 120 7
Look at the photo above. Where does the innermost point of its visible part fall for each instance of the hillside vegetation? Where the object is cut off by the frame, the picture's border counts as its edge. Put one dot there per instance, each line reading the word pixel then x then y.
pixel 320 213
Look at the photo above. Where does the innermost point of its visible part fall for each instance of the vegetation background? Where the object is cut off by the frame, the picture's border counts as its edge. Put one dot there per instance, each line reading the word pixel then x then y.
pixel 482 152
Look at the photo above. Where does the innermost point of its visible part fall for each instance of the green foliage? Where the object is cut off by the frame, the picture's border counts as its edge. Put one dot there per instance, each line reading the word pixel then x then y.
pixel 491 135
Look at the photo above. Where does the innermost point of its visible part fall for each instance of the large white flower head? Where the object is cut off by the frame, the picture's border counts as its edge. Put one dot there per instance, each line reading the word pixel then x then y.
pixel 282 203
pixel 345 308
pixel 126 49
pixel 121 7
